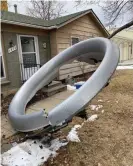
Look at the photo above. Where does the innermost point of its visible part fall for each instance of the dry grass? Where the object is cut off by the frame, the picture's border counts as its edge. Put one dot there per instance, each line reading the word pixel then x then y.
pixel 107 141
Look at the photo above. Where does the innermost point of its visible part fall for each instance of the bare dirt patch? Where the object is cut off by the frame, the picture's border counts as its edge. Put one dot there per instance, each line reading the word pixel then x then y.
pixel 108 141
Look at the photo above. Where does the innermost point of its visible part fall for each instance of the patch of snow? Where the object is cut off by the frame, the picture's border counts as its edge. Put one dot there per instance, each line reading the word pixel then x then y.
pixel 69 87
pixel 95 107
pixel 102 111
pixel 73 136
pixel 98 107
pixel 92 118
pixel 124 67
pixel 79 83
pixel 14 144
pixel 31 153
pixel 100 100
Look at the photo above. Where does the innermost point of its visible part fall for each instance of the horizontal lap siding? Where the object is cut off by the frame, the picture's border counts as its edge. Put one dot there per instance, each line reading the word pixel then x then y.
pixel 83 28
pixel 53 43
pixel 75 69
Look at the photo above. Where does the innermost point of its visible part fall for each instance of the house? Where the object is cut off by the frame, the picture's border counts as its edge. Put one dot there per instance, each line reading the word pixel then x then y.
pixel 27 43
pixel 124 40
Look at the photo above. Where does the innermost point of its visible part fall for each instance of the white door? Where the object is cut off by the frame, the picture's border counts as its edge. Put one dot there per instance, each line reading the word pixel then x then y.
pixel 29 56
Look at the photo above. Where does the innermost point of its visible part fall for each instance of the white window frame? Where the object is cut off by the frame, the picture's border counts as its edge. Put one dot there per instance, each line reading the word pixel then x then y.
pixel 3 62
pixel 36 48
pixel 74 37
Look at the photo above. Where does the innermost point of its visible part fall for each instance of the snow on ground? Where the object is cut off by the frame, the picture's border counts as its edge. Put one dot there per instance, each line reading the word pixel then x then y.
pixel 92 118
pixel 73 135
pixel 31 153
pixel 124 67
pixel 102 111
pixel 95 107
pixel 79 83
pixel 100 100
pixel 69 87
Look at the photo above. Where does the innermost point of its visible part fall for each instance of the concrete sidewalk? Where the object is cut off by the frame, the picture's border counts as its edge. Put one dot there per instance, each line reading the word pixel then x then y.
pixel 47 104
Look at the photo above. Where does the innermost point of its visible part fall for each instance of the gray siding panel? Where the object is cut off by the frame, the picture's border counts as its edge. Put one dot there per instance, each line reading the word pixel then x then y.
pixel 12 59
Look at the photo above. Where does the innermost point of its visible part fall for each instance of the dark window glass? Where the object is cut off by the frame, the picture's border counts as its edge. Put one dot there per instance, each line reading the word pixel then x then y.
pixel 75 40
pixel 29 60
pixel 2 69
pixel 28 44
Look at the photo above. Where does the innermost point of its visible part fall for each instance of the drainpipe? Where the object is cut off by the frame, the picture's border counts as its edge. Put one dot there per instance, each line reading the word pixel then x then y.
pixel 15 8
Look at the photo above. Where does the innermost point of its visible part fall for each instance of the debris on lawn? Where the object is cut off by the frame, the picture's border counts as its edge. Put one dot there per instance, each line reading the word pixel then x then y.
pixel 30 153
pixel 73 136
pixel 5 101
pixel 92 118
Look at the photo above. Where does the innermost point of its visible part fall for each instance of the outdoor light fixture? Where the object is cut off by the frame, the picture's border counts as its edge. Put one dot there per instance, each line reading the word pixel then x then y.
pixel 11 43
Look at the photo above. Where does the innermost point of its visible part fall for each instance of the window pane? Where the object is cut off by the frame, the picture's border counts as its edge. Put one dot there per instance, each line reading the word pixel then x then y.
pixel 75 40
pixel 29 60
pixel 1 62
pixel 27 44
pixel 2 69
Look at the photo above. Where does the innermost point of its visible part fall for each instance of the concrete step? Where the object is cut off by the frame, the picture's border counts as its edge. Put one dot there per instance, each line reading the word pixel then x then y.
pixel 54 84
pixel 53 90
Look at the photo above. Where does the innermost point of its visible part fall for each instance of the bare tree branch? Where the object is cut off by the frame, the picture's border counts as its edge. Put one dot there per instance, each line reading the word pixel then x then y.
pixel 121 28
pixel 113 10
pixel 46 9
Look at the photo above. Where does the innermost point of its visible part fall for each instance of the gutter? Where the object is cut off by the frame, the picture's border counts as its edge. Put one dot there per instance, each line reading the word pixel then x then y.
pixel 28 25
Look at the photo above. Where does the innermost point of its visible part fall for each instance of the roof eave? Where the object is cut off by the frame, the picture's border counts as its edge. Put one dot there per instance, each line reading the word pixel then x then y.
pixel 100 23
pixel 28 25
pixel 75 18
pixel 87 12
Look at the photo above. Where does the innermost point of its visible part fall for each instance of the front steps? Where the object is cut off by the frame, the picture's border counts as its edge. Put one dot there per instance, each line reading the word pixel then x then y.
pixel 53 88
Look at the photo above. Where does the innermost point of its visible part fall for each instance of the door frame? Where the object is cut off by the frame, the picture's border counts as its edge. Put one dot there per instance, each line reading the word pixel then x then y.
pixel 20 48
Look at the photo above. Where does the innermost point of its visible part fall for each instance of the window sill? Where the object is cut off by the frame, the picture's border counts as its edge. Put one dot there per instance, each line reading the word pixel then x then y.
pixel 4 82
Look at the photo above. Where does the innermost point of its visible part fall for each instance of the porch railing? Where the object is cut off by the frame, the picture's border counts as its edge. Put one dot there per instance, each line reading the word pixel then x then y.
pixel 27 70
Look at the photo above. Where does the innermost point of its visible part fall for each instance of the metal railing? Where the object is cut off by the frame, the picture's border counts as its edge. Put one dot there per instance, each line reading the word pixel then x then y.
pixel 27 70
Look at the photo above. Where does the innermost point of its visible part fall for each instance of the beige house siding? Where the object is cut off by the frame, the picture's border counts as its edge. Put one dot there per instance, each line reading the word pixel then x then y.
pixel 74 69
pixel 83 28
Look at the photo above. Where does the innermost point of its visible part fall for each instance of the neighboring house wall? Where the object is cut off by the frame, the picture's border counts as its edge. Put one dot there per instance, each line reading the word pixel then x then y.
pixel 83 28
pixel 126 48
pixel 12 64
pixel 124 40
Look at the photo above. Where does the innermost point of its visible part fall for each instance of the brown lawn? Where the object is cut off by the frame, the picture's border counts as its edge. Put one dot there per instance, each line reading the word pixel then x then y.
pixel 108 141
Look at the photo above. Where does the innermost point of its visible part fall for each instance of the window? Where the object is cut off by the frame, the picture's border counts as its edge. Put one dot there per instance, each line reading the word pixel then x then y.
pixel 28 51
pixel 2 62
pixel 75 40
pixel 131 48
